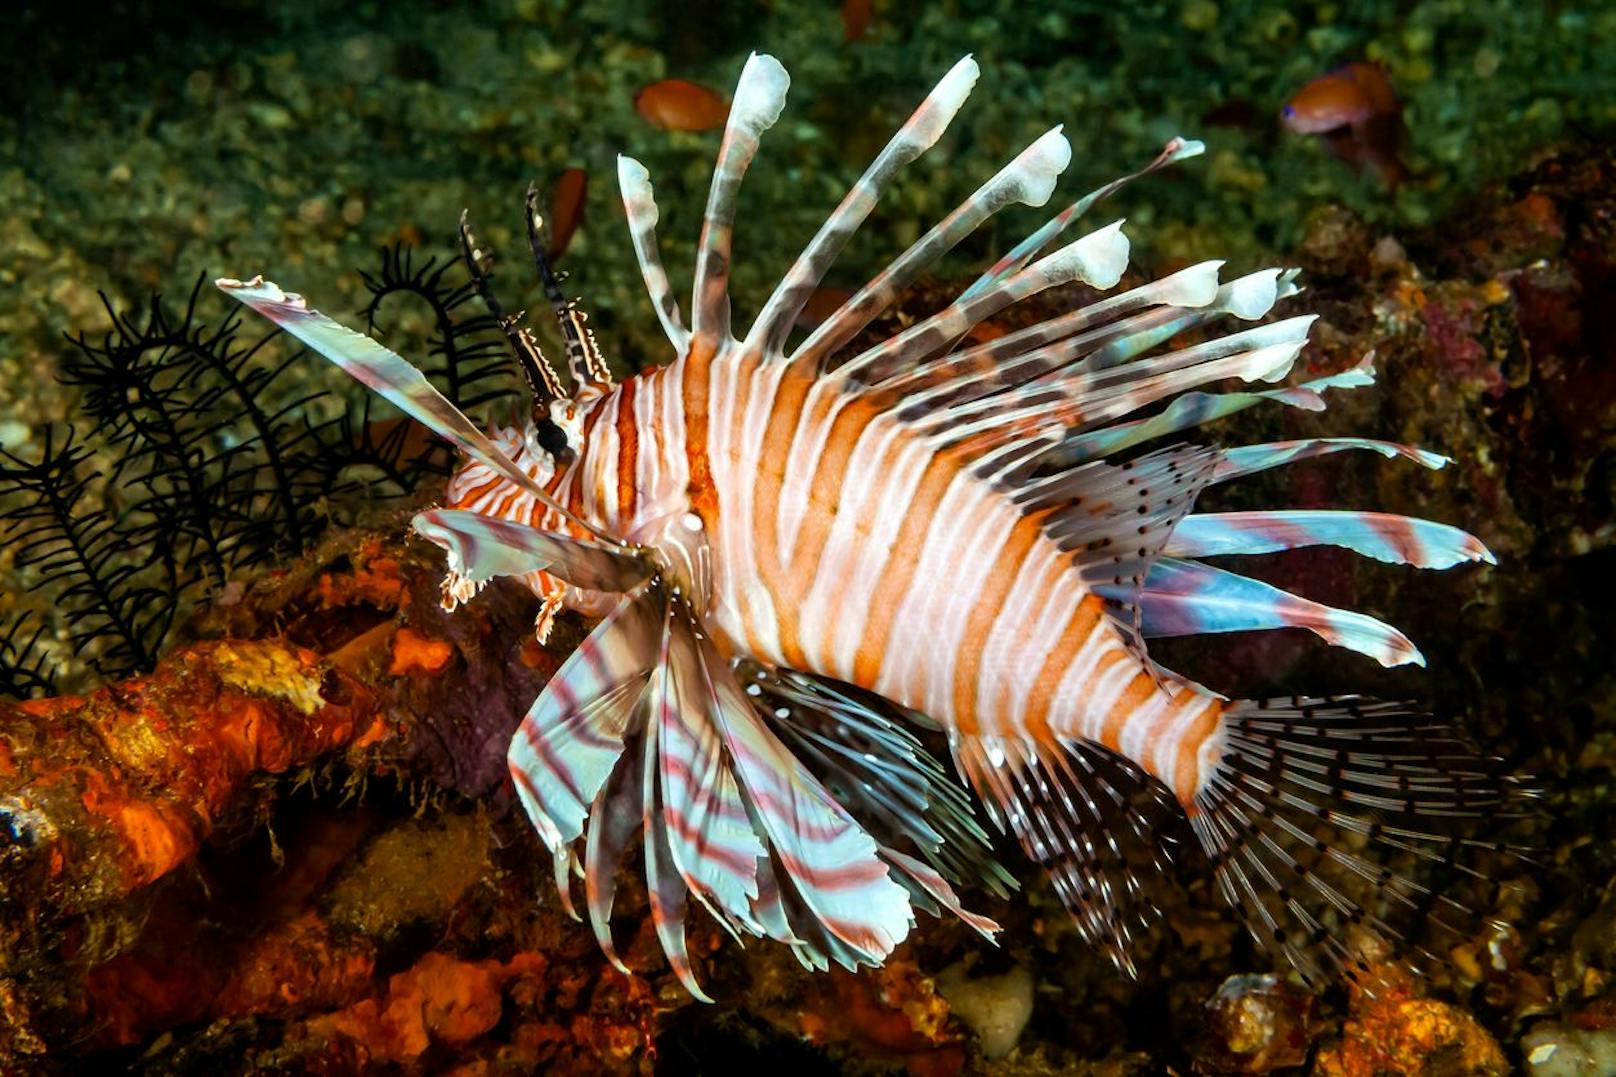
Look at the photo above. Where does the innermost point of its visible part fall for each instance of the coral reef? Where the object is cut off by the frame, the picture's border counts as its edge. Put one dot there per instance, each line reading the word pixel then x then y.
pixel 290 846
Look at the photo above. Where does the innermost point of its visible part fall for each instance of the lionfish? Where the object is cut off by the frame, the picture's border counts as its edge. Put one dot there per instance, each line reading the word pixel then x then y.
pixel 802 557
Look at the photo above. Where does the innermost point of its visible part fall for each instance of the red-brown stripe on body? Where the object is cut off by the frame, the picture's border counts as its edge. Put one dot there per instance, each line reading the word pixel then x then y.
pixel 1041 693
pixel 789 583
pixel 785 419
pixel 628 451
pixel 825 494
pixel 1110 734
pixel 1025 537
pixel 703 498
pixel 1187 765
pixel 784 422
pixel 1139 691
pixel 580 470
pixel 935 480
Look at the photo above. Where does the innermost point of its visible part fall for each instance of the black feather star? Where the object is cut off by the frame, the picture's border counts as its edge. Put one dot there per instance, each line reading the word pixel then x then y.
pixel 82 552
pixel 24 673
pixel 213 465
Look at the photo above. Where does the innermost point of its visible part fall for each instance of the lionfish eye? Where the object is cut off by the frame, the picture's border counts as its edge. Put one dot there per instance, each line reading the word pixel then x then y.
pixel 552 439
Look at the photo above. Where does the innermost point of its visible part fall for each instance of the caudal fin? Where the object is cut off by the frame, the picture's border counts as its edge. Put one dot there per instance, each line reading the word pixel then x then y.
pixel 1322 816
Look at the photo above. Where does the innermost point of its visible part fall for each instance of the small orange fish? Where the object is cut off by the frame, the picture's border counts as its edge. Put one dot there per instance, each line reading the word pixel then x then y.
pixel 677 105
pixel 1356 111
pixel 566 209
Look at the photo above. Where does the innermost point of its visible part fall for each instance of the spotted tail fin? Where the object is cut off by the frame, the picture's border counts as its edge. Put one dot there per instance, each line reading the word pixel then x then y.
pixel 1324 816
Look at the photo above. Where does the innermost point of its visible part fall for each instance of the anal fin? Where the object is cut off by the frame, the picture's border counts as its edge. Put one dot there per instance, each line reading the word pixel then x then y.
pixel 1091 818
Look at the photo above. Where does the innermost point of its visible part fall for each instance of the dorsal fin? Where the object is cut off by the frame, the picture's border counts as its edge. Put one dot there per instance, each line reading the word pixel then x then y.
pixel 759 97
pixel 1028 180
pixel 915 137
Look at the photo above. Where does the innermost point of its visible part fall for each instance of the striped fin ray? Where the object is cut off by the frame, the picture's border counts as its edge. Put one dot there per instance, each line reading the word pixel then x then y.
pixel 1249 459
pixel 929 890
pixel 1247 298
pixel 1309 797
pixel 1195 409
pixel 1177 149
pixel 1059 360
pixel 542 382
pixel 1115 520
pixel 1029 389
pixel 1397 540
pixel 646 715
pixel 391 376
pixel 743 825
pixel 915 137
pixel 859 745
pixel 573 735
pixel 1261 354
pixel 1028 180
pixel 710 835
pixel 1098 260
pixel 1265 353
pixel 816 948
pixel 664 888
pixel 615 817
pixel 1018 357
pixel 1090 817
pixel 728 812
pixel 759 97
pixel 588 368
pixel 1183 598
pixel 640 203
pixel 823 857
pixel 480 547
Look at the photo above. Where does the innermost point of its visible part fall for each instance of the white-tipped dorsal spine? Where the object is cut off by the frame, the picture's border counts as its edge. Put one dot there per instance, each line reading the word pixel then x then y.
pixel 634 181
pixel 1098 259
pixel 1196 286
pixel 918 135
pixel 1251 296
